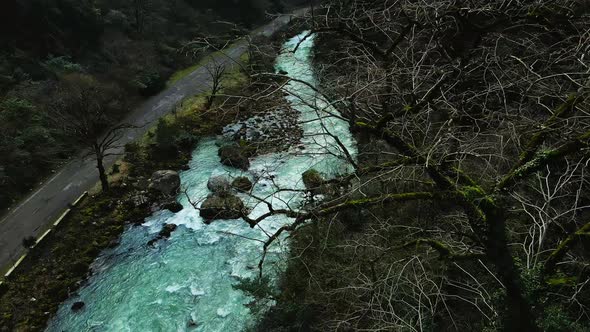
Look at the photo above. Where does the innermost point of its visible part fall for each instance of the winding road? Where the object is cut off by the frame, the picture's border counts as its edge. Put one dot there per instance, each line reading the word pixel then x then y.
pixel 33 215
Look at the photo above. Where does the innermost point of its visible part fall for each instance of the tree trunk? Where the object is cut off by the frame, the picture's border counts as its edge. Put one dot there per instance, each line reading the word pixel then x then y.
pixel 210 100
pixel 519 315
pixel 104 181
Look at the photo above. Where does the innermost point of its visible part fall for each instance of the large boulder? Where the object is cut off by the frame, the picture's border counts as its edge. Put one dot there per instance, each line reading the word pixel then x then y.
pixel 172 206
pixel 312 180
pixel 235 156
pixel 242 183
pixel 219 185
pixel 167 182
pixel 222 207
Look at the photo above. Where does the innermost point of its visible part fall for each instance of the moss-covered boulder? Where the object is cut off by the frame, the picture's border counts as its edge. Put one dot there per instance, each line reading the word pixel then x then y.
pixel 312 180
pixel 242 183
pixel 222 207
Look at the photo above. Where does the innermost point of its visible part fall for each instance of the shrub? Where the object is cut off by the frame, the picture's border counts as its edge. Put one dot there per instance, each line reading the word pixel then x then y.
pixel 149 83
pixel 62 65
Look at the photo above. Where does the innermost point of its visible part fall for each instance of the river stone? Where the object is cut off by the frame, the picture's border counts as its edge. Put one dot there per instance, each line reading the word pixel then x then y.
pixel 77 306
pixel 167 231
pixel 234 155
pixel 172 206
pixel 164 233
pixel 242 183
pixel 219 184
pixel 218 207
pixel 166 181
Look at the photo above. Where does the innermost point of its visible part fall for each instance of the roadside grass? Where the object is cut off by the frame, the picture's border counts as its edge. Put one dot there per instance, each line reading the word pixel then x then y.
pixel 180 74
pixel 194 106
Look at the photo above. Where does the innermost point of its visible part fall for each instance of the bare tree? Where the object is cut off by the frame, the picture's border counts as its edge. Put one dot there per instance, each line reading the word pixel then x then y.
pixel 216 72
pixel 81 111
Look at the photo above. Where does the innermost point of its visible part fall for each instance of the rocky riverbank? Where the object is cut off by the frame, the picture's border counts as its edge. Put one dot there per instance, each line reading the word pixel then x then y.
pixel 267 133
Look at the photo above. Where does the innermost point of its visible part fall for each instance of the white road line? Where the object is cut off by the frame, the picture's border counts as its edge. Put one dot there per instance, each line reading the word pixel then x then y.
pixel 14 210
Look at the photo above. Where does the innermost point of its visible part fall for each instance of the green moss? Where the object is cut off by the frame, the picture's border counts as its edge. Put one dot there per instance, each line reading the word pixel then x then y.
pixel 476 193
pixel 560 281
pixel 312 179
pixel 540 160
pixel 472 193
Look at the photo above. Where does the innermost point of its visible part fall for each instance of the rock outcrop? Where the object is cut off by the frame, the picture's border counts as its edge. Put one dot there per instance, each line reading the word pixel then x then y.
pixel 165 181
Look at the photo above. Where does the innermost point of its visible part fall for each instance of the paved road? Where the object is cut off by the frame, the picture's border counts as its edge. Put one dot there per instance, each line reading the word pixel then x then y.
pixel 42 207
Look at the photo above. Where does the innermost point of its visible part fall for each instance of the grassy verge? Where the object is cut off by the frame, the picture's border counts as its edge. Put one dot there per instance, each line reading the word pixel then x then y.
pixel 180 74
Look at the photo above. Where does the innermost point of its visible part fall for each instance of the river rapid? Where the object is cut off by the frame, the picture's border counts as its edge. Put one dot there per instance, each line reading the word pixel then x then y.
pixel 185 283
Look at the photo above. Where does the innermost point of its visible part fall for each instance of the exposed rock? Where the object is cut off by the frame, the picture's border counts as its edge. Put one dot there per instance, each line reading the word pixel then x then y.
pixel 234 155
pixel 242 183
pixel 163 234
pixel 218 207
pixel 167 231
pixel 172 206
pixel 267 133
pixel 77 306
pixel 312 179
pixel 219 184
pixel 166 181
